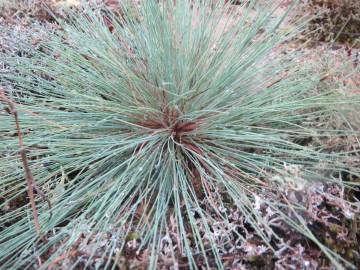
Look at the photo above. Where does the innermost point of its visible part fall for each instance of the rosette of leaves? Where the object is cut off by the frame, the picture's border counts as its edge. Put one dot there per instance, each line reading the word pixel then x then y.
pixel 132 122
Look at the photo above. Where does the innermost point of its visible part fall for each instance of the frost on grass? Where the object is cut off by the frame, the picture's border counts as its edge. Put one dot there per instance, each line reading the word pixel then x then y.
pixel 169 135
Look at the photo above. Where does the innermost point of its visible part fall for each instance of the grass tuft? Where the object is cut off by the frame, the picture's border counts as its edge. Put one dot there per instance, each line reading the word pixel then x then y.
pixel 133 123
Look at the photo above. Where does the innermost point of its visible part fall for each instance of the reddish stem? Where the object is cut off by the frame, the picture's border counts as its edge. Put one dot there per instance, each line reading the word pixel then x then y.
pixel 28 174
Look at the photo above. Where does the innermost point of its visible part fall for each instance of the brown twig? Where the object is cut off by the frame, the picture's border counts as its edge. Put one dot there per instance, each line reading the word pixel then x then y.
pixel 28 174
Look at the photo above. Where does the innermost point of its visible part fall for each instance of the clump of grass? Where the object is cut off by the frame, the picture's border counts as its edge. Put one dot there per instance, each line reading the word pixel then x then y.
pixel 130 122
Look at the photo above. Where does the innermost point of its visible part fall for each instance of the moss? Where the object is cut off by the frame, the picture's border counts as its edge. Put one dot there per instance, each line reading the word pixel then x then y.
pixel 132 236
pixel 253 258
